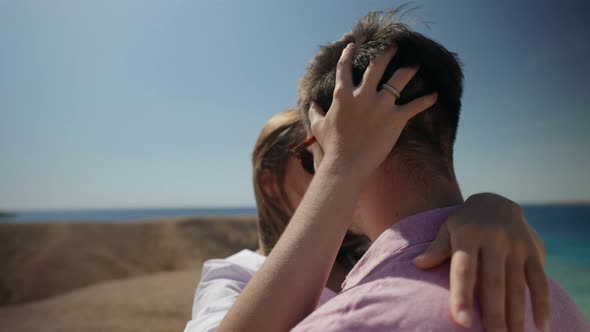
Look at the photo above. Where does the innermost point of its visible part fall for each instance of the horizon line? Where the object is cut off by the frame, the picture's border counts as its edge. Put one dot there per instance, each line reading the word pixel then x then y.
pixel 215 207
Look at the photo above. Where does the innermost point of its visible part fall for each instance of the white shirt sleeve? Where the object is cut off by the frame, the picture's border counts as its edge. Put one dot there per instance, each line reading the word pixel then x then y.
pixel 222 281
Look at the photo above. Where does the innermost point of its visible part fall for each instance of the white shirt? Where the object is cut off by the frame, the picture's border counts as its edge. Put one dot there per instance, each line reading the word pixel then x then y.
pixel 222 281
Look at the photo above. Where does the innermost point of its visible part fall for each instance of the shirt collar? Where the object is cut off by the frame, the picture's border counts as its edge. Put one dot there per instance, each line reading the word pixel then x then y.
pixel 419 228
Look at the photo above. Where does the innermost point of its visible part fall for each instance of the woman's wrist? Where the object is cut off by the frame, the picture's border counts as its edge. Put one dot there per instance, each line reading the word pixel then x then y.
pixel 343 171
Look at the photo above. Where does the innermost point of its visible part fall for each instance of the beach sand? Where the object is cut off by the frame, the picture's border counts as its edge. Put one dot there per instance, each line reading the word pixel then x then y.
pixel 131 276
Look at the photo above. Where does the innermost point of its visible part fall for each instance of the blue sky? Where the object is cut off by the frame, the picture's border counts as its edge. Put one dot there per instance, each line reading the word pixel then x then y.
pixel 158 103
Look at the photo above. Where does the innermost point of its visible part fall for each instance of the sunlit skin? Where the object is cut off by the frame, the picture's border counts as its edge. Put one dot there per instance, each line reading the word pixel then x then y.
pixel 296 182
pixel 365 116
pixel 305 253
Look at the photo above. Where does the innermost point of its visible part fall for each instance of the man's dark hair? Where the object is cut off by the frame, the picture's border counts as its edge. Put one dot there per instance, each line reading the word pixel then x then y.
pixel 426 143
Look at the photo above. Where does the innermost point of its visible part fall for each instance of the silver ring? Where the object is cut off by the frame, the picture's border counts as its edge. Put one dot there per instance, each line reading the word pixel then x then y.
pixel 391 90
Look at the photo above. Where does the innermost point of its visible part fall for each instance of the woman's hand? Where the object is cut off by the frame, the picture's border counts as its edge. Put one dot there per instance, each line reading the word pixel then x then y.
pixel 361 116
pixel 494 249
pixel 303 257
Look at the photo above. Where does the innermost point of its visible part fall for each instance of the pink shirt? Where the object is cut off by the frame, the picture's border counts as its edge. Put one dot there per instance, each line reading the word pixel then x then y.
pixel 386 292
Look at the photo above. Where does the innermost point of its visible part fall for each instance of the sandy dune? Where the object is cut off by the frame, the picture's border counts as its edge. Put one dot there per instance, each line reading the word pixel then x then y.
pixel 87 276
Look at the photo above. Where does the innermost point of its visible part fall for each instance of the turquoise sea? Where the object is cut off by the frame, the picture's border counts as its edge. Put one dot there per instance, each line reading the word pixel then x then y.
pixel 565 230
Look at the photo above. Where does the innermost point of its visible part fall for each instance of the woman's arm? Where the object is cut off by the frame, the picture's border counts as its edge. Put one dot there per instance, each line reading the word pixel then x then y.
pixel 490 233
pixel 287 287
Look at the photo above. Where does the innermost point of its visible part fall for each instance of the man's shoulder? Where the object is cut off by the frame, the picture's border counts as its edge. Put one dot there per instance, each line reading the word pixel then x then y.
pixel 389 302
pixel 565 314
pixel 385 304
pixel 393 294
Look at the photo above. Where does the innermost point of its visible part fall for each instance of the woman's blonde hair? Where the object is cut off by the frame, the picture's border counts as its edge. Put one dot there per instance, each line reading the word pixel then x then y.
pixel 271 153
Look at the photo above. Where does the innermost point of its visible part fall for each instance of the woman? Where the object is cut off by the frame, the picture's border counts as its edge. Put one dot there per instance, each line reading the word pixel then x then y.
pixel 280 180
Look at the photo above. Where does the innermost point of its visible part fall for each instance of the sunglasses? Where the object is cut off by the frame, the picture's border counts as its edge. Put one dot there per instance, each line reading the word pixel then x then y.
pixel 305 157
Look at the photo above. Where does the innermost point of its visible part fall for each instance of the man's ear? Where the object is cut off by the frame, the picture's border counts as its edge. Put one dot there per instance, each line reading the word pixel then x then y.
pixel 268 183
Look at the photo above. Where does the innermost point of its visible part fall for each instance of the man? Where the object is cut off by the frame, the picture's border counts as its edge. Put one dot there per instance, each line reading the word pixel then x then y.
pixel 408 195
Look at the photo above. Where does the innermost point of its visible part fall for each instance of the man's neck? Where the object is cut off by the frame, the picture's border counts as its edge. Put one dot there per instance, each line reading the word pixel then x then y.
pixel 401 198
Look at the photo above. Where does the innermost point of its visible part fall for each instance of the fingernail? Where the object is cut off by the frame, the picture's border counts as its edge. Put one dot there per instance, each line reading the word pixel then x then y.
pixel 418 259
pixel 350 45
pixel 464 318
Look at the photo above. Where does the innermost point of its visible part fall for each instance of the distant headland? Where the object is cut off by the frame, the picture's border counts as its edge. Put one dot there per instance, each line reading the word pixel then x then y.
pixel 6 214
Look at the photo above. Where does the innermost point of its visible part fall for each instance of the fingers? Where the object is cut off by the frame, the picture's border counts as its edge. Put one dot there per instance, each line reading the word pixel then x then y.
pixel 515 296
pixel 538 244
pixel 537 282
pixel 462 279
pixel 344 71
pixel 418 105
pixel 437 252
pixel 376 68
pixel 493 290
pixel 398 80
